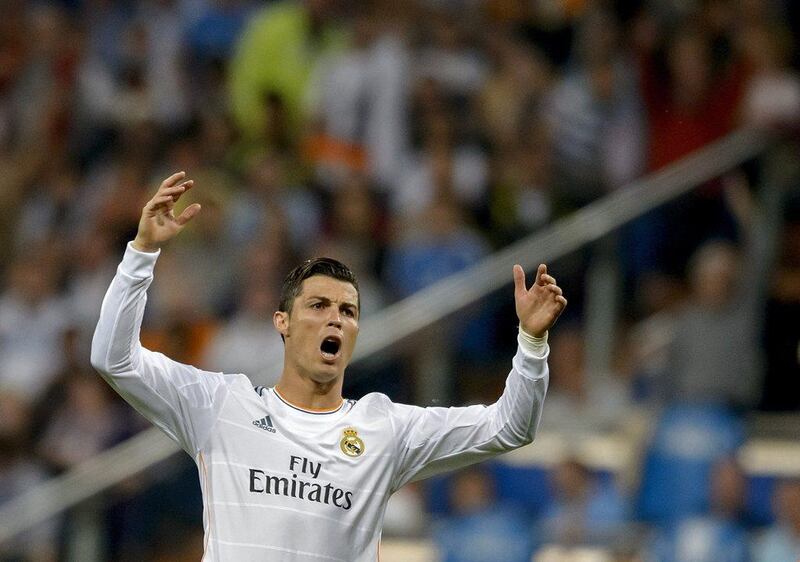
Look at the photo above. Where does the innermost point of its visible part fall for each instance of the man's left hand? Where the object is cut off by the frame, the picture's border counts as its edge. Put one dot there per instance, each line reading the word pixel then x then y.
pixel 539 307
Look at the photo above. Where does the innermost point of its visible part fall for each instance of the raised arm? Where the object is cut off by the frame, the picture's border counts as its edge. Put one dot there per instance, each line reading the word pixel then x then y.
pixel 434 440
pixel 180 399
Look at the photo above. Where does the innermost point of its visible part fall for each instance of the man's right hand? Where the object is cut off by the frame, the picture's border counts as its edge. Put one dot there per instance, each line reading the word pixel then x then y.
pixel 158 223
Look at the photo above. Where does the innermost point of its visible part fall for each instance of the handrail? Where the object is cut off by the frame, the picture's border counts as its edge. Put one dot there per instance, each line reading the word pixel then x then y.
pixel 412 314
pixel 588 224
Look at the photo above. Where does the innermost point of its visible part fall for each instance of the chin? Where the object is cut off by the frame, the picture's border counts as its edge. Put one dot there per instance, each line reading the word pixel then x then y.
pixel 328 374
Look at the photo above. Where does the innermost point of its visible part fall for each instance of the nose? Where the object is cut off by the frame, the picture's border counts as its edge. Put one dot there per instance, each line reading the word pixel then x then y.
pixel 335 318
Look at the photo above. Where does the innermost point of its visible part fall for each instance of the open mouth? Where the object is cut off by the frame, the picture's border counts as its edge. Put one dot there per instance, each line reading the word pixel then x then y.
pixel 330 348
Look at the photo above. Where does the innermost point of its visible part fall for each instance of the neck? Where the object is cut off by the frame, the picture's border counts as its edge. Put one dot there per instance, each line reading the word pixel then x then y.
pixel 304 392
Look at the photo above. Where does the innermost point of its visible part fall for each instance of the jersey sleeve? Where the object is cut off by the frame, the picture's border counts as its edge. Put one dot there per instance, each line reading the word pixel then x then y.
pixel 181 400
pixel 434 440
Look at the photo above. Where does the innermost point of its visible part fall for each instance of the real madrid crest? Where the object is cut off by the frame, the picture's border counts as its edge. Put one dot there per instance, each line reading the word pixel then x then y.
pixel 351 443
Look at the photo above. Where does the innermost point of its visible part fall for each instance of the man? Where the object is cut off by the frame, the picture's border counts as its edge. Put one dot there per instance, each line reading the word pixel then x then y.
pixel 295 472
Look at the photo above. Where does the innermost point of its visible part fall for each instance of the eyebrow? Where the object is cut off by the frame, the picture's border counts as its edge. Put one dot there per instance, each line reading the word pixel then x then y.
pixel 326 300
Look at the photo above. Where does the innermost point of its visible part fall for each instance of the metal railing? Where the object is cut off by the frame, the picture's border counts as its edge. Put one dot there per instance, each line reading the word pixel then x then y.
pixel 412 314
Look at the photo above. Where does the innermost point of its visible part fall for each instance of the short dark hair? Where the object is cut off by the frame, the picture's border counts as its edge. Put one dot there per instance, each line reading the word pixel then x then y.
pixel 328 267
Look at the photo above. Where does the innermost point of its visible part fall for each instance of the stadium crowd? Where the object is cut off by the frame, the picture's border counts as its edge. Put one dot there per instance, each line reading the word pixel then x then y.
pixel 409 140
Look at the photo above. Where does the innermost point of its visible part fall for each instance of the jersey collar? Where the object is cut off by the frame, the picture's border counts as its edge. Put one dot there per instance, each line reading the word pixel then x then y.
pixel 306 410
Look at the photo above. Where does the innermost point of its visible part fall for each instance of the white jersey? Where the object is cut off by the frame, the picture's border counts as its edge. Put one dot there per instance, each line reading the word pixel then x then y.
pixel 281 483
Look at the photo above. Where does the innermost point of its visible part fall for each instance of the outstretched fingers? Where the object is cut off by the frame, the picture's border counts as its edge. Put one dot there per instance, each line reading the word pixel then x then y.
pixel 173 180
pixel 553 288
pixel 176 191
pixel 161 202
pixel 158 222
pixel 188 214
pixel 548 282
pixel 542 278
pixel 170 191
pixel 558 294
pixel 519 280
pixel 540 306
pixel 541 274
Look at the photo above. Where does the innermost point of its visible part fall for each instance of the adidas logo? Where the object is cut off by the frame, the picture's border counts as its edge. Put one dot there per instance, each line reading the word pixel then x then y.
pixel 264 423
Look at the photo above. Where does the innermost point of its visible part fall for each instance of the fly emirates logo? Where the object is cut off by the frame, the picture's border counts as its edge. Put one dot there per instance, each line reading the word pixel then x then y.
pixel 263 483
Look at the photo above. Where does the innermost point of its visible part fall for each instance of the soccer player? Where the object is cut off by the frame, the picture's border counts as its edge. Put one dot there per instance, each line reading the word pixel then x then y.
pixel 296 472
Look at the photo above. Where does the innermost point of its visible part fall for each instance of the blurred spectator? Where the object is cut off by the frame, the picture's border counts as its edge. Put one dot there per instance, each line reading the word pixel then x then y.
pixel 180 331
pixel 211 37
pixel 19 473
pixel 448 165
pixel 20 164
pixel 442 246
pixel 293 38
pixel 720 535
pixel 206 253
pixel 163 68
pixel 13 49
pixel 772 95
pixel 94 264
pixel 781 542
pixel 269 200
pixel 87 420
pixel 42 91
pixel 715 356
pixel 217 140
pixel 450 58
pixel 33 318
pixel 230 349
pixel 650 338
pixel 100 73
pixel 140 78
pixel 15 423
pixel 363 101
pixel 596 118
pixel 405 513
pixel 52 211
pixel 481 529
pixel 781 330
pixel 114 190
pixel 584 510
pixel 354 235
pixel 691 99
pixel 521 195
pixel 580 402
pixel 520 78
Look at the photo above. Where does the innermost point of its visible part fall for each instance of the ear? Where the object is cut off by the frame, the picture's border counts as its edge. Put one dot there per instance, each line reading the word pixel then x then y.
pixel 280 320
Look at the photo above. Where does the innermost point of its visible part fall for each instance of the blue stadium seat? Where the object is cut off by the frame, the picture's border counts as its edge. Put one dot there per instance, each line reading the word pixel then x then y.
pixel 760 489
pixel 527 487
pixel 687 442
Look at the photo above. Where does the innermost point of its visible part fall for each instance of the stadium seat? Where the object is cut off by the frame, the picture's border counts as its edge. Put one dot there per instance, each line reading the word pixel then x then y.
pixel 688 440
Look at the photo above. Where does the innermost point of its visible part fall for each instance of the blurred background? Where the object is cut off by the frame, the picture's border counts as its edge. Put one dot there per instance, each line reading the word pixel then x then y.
pixel 414 141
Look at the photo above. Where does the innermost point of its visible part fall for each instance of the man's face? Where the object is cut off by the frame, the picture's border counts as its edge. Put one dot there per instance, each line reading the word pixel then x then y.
pixel 321 329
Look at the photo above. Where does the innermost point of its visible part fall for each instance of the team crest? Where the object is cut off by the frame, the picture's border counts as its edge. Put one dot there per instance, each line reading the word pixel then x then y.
pixel 351 443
